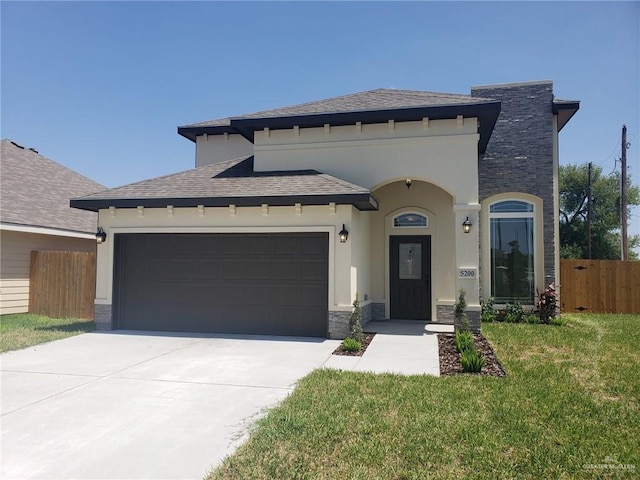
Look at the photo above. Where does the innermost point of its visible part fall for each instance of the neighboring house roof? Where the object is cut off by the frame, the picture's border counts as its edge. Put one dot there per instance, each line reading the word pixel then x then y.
pixel 232 182
pixel 35 191
pixel 374 106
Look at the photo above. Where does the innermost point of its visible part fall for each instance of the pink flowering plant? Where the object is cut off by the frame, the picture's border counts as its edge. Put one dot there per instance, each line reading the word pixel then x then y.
pixel 547 303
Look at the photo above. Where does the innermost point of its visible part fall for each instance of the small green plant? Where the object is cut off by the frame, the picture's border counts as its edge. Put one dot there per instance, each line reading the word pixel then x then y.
pixel 558 321
pixel 547 303
pixel 532 318
pixel 472 361
pixel 460 312
pixel 351 344
pixel 355 321
pixel 487 311
pixel 464 341
pixel 514 313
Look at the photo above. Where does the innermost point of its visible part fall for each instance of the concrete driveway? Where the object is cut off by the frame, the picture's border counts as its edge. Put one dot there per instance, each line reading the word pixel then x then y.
pixel 137 405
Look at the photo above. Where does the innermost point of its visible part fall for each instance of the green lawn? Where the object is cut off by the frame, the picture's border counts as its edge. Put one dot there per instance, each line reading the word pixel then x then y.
pixel 568 406
pixel 22 330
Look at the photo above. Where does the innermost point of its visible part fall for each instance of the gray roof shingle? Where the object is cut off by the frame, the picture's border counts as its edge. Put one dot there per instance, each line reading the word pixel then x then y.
pixel 232 181
pixel 379 99
pixel 35 191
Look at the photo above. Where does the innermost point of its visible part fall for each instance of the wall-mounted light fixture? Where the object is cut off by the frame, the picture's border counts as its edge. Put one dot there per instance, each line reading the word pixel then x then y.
pixel 101 236
pixel 343 234
pixel 408 183
pixel 466 226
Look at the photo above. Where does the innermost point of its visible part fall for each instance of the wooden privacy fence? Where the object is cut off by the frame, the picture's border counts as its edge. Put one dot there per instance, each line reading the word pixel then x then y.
pixel 599 286
pixel 62 284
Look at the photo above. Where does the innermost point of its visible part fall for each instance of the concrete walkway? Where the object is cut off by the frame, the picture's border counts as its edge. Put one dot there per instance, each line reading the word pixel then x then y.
pixel 400 346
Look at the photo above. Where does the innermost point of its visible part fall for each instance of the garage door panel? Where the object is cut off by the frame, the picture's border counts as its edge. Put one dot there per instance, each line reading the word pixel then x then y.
pixel 227 283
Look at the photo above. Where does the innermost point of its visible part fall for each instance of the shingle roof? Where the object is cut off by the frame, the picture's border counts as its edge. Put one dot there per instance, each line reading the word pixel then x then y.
pixel 35 191
pixel 379 99
pixel 374 106
pixel 230 182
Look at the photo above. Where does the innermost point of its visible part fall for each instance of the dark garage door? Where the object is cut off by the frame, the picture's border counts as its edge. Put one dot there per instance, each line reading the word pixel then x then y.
pixel 268 284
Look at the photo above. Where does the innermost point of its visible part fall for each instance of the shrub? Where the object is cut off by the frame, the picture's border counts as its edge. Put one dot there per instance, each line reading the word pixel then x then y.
pixel 487 311
pixel 355 321
pixel 472 361
pixel 460 312
pixel 351 344
pixel 464 342
pixel 514 313
pixel 547 303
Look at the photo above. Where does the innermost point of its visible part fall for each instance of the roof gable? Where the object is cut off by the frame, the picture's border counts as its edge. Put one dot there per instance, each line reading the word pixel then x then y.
pixel 35 191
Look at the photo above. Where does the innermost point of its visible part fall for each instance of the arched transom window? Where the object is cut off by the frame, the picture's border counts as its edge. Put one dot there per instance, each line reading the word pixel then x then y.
pixel 512 251
pixel 410 219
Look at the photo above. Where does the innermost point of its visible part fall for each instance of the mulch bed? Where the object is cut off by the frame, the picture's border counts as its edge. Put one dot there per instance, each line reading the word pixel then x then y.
pixel 450 358
pixel 366 340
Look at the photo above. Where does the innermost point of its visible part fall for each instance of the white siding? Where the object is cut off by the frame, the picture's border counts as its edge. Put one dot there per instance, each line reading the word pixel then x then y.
pixel 15 257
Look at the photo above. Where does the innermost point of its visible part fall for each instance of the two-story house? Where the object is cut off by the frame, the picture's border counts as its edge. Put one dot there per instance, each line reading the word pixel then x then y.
pixel 404 197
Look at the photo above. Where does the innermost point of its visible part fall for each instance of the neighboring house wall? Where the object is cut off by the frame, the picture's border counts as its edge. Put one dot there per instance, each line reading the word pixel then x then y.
pixel 15 255
pixel 218 148
pixel 521 157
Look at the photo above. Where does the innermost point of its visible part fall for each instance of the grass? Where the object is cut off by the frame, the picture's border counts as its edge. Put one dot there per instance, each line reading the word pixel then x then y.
pixel 570 400
pixel 23 330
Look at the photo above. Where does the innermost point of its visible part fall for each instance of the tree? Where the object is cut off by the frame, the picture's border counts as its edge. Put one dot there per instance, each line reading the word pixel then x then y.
pixel 605 213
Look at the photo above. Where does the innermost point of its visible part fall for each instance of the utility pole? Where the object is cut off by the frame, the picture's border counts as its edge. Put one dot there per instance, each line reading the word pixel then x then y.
pixel 589 214
pixel 623 196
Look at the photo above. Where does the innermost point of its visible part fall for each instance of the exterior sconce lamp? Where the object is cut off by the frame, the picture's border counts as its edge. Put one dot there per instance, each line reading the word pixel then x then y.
pixel 408 183
pixel 343 234
pixel 101 236
pixel 466 226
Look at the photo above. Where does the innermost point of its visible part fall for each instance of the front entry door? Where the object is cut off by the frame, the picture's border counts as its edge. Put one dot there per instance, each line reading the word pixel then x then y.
pixel 410 282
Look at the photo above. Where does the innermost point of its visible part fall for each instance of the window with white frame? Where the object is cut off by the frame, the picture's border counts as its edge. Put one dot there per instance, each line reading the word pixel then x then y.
pixel 512 240
pixel 410 219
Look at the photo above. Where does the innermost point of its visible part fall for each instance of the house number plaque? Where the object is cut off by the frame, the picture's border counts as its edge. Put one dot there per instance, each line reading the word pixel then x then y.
pixel 467 273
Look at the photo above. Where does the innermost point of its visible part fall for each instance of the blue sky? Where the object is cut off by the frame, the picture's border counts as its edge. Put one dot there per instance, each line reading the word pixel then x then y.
pixel 100 87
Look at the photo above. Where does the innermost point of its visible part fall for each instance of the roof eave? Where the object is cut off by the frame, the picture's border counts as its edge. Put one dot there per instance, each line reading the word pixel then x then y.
pixel 486 111
pixel 362 201
pixel 565 110
pixel 192 133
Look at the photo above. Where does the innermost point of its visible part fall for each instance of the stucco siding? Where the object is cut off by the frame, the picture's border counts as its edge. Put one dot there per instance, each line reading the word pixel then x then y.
pixel 360 255
pixel 372 155
pixel 218 148
pixel 15 259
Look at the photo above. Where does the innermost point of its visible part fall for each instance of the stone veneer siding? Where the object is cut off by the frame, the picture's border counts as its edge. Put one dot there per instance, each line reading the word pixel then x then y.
pixel 445 314
pixel 474 321
pixel 378 311
pixel 339 321
pixel 519 156
pixel 102 317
